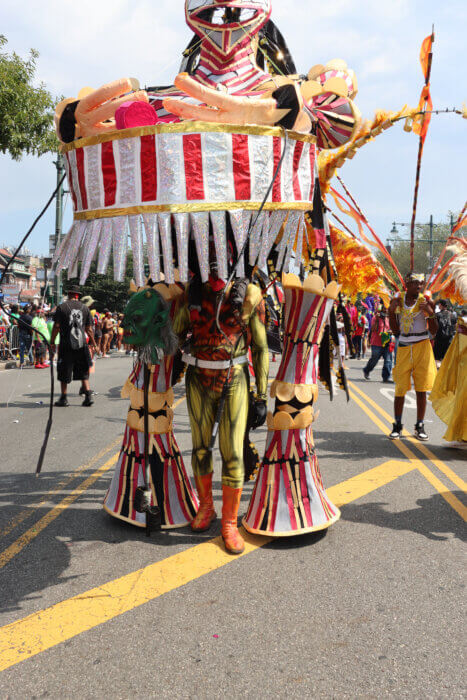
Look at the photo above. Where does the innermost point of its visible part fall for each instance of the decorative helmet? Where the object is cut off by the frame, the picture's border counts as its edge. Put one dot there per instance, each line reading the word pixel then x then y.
pixel 227 25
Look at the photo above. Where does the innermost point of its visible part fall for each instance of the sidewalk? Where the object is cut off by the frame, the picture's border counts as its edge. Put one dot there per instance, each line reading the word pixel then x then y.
pixel 9 364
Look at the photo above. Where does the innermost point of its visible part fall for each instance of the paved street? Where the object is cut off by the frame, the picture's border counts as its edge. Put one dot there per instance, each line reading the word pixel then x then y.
pixel 90 607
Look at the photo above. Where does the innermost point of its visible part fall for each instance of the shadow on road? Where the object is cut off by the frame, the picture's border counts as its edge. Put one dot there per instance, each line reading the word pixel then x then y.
pixel 79 531
pixel 348 445
pixel 433 517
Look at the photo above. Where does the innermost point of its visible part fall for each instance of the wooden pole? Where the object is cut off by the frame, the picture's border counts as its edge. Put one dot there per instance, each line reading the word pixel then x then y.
pixel 419 166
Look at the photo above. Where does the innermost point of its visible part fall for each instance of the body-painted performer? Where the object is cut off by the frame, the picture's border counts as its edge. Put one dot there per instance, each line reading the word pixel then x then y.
pixel 217 373
pixel 237 177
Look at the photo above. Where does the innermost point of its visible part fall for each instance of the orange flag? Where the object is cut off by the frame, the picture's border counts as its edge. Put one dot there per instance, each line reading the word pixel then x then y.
pixel 425 52
pixel 422 121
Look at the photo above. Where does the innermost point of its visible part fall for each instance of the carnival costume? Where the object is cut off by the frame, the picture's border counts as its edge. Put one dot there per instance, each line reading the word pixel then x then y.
pixel 415 360
pixel 240 185
pixel 145 324
pixel 449 394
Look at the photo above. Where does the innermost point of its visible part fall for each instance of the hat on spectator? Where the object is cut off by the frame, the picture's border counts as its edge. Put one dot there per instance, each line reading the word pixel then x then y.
pixel 74 290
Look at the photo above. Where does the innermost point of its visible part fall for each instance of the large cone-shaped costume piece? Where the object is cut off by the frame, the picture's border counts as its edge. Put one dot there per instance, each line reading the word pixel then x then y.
pixel 289 497
pixel 170 486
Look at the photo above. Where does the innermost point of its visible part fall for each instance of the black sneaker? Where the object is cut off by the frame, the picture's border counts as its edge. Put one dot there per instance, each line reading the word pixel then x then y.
pixel 82 392
pixel 419 431
pixel 62 401
pixel 366 375
pixel 396 431
pixel 88 401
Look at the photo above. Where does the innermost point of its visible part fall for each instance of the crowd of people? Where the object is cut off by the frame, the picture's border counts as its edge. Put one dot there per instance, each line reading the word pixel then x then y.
pixel 411 336
pixel 373 340
pixel 24 330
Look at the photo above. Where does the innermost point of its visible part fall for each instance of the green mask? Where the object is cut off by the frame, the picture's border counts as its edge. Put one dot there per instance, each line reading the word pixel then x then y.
pixel 147 326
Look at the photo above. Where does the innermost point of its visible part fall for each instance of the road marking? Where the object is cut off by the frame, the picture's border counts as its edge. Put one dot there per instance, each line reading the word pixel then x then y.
pixel 448 496
pixel 19 544
pixel 388 394
pixel 40 631
pixel 27 512
pixel 368 481
pixel 447 471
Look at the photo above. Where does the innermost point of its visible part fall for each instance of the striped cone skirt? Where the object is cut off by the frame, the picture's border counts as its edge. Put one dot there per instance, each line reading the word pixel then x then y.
pixel 170 486
pixel 289 497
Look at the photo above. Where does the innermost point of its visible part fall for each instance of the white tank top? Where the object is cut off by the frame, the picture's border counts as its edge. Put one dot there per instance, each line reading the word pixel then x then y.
pixel 418 330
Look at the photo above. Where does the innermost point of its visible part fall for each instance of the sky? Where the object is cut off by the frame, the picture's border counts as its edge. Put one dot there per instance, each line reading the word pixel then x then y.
pixel 93 42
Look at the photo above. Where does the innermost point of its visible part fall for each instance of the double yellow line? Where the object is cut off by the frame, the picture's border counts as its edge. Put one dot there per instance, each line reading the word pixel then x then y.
pixel 445 492
pixel 45 629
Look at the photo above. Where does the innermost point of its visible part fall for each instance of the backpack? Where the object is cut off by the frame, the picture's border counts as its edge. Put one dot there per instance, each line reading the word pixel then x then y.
pixel 445 329
pixel 76 333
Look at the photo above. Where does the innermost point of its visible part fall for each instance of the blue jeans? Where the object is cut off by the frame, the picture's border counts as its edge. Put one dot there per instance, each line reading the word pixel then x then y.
pixel 377 353
pixel 24 346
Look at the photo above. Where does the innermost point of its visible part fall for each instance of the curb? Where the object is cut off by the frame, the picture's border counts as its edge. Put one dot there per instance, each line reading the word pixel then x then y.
pixel 11 364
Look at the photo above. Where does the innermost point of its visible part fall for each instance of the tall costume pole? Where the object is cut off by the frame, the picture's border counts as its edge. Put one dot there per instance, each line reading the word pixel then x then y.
pixel 421 124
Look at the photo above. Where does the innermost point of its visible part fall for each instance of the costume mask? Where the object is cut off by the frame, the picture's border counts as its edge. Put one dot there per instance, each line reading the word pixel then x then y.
pixel 227 25
pixel 147 326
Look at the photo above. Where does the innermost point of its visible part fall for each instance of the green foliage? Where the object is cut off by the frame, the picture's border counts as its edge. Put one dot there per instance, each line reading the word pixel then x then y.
pixel 401 247
pixel 26 110
pixel 107 293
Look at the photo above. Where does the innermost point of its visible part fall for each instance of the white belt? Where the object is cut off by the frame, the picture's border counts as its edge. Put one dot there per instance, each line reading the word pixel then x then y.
pixel 213 364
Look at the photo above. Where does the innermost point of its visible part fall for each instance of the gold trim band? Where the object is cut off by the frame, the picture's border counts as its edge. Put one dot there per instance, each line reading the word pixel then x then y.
pixel 181 208
pixel 186 127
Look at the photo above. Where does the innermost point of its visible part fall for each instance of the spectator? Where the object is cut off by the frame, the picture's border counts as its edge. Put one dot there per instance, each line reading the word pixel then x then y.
pixel 107 332
pixel 96 320
pixel 24 321
pixel 446 330
pixel 40 348
pixel 358 333
pixel 380 337
pixel 412 317
pixel 341 336
pixel 73 321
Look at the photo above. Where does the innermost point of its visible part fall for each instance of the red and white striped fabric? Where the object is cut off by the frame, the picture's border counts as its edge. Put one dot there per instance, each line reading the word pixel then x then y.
pixel 171 171
pixel 289 497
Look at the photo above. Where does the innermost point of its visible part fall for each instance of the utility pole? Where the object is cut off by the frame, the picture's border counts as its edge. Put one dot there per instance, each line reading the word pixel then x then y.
pixel 60 166
pixel 431 242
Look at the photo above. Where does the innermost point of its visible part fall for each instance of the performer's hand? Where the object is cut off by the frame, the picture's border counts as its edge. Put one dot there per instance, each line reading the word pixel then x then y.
pixel 223 108
pixel 427 308
pixel 259 412
pixel 393 306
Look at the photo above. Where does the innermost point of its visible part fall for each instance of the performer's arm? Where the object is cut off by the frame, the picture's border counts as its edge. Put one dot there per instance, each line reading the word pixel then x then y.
pixel 428 309
pixel 393 321
pixel 260 351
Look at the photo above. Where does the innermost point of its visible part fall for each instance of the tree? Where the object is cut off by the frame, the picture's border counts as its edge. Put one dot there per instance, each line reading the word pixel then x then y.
pixel 26 110
pixel 107 293
pixel 400 248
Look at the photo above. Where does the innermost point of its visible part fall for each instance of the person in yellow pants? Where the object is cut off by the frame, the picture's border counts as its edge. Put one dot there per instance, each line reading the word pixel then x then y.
pixel 242 320
pixel 412 318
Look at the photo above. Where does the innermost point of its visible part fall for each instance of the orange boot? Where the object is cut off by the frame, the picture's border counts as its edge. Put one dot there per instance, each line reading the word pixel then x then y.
pixel 233 540
pixel 206 513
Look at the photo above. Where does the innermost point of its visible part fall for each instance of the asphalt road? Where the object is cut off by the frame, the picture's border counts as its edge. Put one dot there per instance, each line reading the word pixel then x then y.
pixel 374 608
